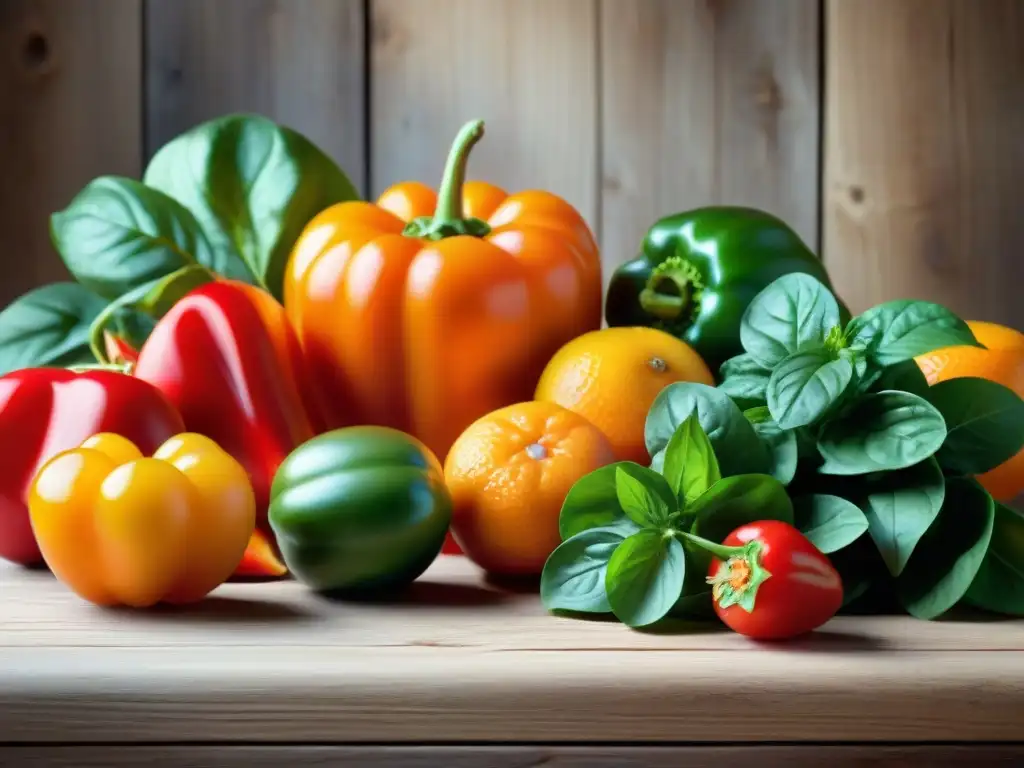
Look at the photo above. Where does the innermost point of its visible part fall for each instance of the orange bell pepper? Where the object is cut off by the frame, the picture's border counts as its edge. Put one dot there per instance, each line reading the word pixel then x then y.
pixel 120 528
pixel 424 312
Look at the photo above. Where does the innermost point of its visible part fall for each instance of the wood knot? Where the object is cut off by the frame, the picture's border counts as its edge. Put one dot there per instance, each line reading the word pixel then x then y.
pixel 386 36
pixel 769 94
pixel 611 184
pixel 856 193
pixel 35 52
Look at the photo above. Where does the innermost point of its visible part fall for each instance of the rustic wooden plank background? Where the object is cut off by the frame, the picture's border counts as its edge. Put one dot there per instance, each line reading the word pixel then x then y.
pixel 887 132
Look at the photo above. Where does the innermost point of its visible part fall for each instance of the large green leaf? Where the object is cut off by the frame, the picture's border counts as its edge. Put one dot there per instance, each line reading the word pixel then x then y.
pixel 574 574
pixel 881 431
pixel 737 447
pixel 118 235
pixel 48 326
pixel 592 502
pixel 999 583
pixel 900 506
pixel 830 522
pixel 253 185
pixel 645 577
pixel 792 314
pixel 984 421
pixel 805 385
pixel 900 330
pixel 947 559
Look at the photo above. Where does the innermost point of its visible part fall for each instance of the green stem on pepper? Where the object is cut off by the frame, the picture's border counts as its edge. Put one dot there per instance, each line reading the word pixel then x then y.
pixel 737 581
pixel 449 217
pixel 96 329
pixel 673 293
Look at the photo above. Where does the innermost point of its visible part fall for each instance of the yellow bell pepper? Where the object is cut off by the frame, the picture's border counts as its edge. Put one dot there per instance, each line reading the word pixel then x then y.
pixel 117 527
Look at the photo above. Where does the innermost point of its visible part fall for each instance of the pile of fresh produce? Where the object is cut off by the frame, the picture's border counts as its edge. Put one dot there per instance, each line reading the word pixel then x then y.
pixel 254 373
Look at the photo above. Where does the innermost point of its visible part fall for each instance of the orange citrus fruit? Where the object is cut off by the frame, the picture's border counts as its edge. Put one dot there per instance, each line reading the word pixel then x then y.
pixel 509 473
pixel 1002 361
pixel 612 375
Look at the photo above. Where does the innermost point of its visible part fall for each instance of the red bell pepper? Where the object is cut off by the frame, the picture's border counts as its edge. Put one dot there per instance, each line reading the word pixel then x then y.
pixel 228 359
pixel 44 411
pixel 769 582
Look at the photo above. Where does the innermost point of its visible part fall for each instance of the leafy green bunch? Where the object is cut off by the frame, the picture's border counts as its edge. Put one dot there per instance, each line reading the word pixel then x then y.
pixel 227 198
pixel 864 445
pixel 631 534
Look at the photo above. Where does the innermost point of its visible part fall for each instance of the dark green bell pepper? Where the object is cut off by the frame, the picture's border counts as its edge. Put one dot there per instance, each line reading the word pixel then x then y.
pixel 359 509
pixel 699 270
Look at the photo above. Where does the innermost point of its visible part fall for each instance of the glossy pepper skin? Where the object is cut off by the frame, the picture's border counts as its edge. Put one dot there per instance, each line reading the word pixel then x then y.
pixel 360 509
pixel 121 528
pixel 44 411
pixel 226 357
pixel 699 269
pixel 769 582
pixel 424 311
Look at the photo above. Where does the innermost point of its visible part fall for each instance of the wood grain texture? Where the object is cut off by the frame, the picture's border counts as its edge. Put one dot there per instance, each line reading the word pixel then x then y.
pixel 300 63
pixel 925 116
pixel 526 67
pixel 511 757
pixel 461 660
pixel 708 102
pixel 450 606
pixel 70 110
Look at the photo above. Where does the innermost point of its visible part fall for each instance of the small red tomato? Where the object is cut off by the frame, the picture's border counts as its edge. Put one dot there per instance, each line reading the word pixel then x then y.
pixel 774 583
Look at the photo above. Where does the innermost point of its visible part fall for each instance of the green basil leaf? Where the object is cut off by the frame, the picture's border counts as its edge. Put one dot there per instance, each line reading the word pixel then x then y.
pixel 48 326
pixel 805 385
pixel 881 431
pixel 736 445
pixel 999 584
pixel 165 293
pixel 904 377
pixel 644 495
pixel 118 234
pixel 900 507
pixel 744 380
pixel 253 186
pixel 742 365
pixel 573 576
pixel 747 391
pixel 806 444
pixel 690 464
pixel 133 325
pixel 736 501
pixel 783 447
pixel 645 577
pixel 794 313
pixel 695 601
pixel 592 502
pixel 901 330
pixel 984 423
pixel 946 561
pixel 830 522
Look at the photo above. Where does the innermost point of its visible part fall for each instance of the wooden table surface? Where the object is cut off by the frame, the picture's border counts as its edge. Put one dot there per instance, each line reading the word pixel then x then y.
pixel 463 661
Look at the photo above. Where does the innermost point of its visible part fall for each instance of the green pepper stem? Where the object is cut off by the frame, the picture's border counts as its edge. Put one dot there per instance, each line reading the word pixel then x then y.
pixel 114 367
pixel 449 215
pixel 99 324
pixel 673 291
pixel 449 194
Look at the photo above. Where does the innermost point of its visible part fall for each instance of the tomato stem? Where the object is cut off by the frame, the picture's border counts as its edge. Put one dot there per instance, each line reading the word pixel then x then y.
pixel 720 551
pixel 737 580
